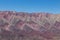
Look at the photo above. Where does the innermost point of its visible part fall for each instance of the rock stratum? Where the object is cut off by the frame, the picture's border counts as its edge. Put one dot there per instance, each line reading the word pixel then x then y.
pixel 26 26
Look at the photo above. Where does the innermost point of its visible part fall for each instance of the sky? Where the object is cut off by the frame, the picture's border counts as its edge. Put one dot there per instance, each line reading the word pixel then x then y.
pixel 50 6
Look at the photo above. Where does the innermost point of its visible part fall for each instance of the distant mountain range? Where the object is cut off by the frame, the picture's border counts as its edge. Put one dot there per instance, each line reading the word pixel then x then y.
pixel 26 26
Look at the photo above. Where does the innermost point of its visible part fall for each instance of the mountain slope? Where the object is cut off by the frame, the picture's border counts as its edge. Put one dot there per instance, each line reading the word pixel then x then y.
pixel 25 26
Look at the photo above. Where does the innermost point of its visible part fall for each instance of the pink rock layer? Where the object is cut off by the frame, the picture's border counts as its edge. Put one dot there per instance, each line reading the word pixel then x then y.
pixel 29 26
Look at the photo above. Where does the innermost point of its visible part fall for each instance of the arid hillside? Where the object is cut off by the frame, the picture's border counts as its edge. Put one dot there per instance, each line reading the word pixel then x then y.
pixel 29 26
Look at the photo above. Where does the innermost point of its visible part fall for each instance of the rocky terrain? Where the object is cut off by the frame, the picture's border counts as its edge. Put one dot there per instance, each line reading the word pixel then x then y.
pixel 29 26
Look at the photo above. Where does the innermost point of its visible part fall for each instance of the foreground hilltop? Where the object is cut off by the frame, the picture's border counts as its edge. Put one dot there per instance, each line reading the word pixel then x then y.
pixel 29 26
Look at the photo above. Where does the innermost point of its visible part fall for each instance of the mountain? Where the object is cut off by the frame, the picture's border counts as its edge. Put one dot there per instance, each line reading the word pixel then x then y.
pixel 29 26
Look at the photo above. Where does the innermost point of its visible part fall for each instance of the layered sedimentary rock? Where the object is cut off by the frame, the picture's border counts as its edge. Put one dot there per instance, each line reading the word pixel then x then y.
pixel 26 26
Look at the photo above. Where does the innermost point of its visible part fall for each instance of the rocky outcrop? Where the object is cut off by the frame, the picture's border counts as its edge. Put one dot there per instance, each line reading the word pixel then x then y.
pixel 29 26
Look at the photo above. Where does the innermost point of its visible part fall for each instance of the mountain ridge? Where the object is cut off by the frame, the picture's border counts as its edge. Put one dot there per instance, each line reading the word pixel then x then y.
pixel 42 24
